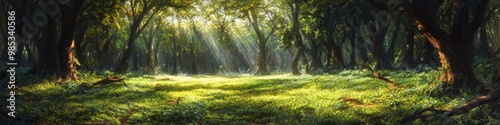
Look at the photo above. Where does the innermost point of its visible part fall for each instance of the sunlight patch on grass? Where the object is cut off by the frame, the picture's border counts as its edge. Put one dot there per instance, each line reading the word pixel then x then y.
pixel 274 99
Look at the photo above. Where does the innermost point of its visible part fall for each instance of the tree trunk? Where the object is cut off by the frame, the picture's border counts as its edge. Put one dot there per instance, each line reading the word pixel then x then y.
pixel 135 30
pixel 261 44
pixel 337 59
pixel 175 56
pixel 455 59
pixel 390 51
pixel 69 18
pixel 377 39
pixel 80 44
pixel 297 39
pixel 48 59
pixel 483 48
pixel 409 48
pixel 194 69
pixel 315 55
pixel 454 48
pixel 352 38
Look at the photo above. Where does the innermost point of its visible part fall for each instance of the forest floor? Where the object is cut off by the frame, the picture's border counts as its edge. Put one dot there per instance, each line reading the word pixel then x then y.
pixel 346 97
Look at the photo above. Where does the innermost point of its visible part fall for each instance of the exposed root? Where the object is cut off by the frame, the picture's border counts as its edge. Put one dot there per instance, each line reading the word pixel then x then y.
pixel 493 97
pixel 109 80
pixel 378 76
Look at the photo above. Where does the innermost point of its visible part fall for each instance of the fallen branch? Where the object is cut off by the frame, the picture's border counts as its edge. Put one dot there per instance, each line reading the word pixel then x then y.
pixel 458 110
pixel 377 75
pixel 109 80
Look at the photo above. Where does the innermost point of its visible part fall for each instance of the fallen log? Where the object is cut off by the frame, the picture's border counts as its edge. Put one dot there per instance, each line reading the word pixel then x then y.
pixel 378 76
pixel 492 97
pixel 109 80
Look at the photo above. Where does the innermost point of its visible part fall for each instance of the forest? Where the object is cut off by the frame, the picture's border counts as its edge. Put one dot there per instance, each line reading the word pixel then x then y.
pixel 250 62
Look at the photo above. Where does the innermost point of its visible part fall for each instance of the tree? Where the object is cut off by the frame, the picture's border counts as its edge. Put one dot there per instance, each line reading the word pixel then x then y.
pixel 149 41
pixel 139 13
pixel 252 10
pixel 454 44
pixel 56 56
pixel 295 6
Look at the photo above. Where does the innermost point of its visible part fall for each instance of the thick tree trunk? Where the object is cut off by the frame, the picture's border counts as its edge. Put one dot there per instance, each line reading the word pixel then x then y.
pixel 48 59
pixel 69 20
pixel 455 59
pixel 377 39
pixel 454 48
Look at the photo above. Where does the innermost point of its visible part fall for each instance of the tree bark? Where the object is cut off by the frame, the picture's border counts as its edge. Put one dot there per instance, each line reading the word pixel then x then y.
pixel 297 38
pixel 454 48
pixel 377 37
pixel 409 48
pixel 136 29
pixel 69 21
pixel 261 44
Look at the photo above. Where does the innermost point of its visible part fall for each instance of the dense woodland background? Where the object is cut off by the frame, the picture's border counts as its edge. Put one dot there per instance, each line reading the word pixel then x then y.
pixel 62 39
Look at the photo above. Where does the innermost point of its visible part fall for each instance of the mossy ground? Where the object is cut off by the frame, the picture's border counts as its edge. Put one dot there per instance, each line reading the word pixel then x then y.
pixel 244 99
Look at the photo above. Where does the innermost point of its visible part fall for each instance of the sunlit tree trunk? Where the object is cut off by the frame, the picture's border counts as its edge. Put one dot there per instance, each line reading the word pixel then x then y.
pixel 69 21
pixel 261 44
pixel 455 49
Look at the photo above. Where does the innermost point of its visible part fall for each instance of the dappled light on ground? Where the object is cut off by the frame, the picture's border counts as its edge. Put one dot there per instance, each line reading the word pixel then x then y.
pixel 349 97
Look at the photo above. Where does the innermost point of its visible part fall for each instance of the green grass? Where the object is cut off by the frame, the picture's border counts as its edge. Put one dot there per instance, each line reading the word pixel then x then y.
pixel 244 99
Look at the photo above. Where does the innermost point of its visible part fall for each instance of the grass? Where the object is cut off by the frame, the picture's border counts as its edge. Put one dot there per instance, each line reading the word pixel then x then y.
pixel 244 99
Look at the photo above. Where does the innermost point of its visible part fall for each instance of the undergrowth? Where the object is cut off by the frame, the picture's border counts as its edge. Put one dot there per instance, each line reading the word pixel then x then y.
pixel 243 99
